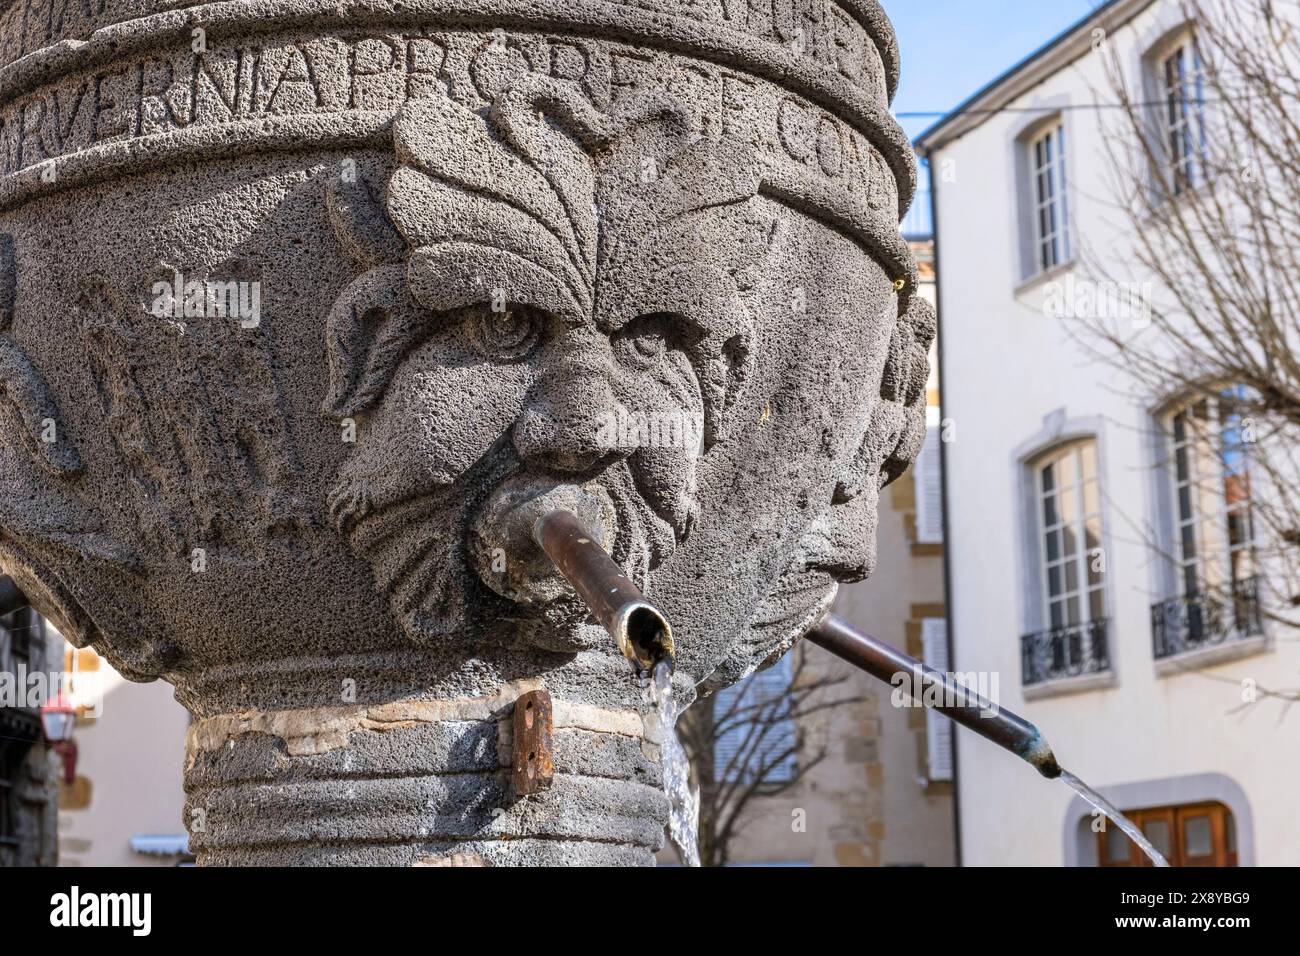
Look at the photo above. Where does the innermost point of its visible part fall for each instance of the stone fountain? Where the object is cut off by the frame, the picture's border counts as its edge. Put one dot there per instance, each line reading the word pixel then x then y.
pixel 299 298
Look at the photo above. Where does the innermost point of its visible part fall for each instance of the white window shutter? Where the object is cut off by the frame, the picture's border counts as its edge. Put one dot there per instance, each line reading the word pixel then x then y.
pixel 938 728
pixel 929 490
pixel 770 685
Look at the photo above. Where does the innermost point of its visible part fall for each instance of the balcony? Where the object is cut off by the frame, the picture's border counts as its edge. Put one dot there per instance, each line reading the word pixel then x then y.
pixel 1202 621
pixel 1078 650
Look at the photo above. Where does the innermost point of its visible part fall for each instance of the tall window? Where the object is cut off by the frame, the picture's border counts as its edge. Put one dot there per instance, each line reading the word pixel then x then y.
pixel 1072 568
pixel 1182 101
pixel 1051 213
pixel 1069 492
pixel 1213 546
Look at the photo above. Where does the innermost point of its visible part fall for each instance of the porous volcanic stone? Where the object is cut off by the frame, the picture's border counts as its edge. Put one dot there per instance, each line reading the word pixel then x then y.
pixel 299 297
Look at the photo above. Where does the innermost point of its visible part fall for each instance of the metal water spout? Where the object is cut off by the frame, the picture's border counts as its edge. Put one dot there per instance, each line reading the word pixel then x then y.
pixel 991 721
pixel 640 629
pixel 943 693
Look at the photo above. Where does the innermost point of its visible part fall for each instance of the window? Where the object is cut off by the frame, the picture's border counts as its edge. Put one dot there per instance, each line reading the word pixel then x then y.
pixel 1213 536
pixel 1051 212
pixel 1203 834
pixel 1182 105
pixel 756 739
pixel 1070 497
pixel 1072 565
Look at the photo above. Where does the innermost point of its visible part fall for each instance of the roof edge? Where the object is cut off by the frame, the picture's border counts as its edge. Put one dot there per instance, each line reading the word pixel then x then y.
pixel 1050 58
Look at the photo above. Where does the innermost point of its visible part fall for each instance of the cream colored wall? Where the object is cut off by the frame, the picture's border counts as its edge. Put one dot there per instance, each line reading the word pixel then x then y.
pixel 129 766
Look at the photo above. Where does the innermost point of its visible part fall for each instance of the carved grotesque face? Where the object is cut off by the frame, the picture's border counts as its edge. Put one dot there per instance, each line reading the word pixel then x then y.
pixel 568 306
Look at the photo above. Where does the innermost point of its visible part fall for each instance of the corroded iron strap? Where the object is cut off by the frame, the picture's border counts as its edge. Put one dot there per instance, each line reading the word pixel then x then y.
pixel 953 700
pixel 642 632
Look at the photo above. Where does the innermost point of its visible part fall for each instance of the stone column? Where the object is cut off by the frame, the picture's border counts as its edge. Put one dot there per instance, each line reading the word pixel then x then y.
pixel 302 303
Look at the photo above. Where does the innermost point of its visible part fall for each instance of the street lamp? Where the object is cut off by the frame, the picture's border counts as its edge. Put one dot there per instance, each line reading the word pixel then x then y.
pixel 58 719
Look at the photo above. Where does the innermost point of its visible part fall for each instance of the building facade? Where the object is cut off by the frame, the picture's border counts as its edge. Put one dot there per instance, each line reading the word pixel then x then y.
pixel 1083 544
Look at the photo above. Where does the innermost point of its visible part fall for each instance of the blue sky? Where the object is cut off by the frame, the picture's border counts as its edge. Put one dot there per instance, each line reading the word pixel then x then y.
pixel 951 48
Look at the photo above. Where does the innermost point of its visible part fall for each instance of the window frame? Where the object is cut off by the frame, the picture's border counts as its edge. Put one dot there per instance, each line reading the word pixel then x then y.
pixel 1085 587
pixel 1176 111
pixel 1186 496
pixel 1048 171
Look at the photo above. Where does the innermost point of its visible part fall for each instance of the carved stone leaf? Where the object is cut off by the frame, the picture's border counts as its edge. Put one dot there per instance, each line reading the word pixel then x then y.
pixel 25 391
pixel 454 145
pixel 474 218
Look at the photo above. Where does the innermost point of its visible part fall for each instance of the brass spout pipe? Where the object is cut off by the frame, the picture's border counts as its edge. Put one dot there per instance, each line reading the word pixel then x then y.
pixel 958 702
pixel 642 632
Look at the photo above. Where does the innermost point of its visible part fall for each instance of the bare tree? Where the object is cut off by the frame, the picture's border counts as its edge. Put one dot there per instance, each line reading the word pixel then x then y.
pixel 1203 167
pixel 776 734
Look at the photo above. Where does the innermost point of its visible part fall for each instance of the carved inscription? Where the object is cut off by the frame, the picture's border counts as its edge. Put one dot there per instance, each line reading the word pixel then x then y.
pixel 232 83
pixel 820 30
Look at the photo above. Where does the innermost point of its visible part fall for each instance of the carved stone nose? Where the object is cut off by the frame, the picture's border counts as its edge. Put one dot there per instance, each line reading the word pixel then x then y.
pixel 571 423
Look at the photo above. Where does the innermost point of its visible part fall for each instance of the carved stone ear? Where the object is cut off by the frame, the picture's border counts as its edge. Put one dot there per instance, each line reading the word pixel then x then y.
pixel 370 328
pixel 903 386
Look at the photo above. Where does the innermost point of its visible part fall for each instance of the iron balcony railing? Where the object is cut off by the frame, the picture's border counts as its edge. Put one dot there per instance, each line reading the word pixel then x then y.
pixel 1202 620
pixel 1071 651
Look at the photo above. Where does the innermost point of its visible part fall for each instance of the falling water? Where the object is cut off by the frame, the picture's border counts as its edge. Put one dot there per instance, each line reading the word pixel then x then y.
pixel 1121 821
pixel 661 729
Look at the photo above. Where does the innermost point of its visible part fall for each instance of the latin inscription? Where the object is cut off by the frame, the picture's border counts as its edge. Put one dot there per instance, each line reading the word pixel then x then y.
pixel 379 73
pixel 818 29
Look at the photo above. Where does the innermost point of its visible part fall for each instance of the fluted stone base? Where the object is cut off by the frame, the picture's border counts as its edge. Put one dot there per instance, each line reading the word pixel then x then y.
pixel 419 782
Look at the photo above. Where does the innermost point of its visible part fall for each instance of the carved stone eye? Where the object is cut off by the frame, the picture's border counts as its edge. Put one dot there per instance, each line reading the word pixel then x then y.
pixel 509 336
pixel 644 341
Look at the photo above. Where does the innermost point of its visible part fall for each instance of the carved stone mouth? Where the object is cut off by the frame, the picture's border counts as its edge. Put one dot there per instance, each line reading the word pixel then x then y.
pixel 501 547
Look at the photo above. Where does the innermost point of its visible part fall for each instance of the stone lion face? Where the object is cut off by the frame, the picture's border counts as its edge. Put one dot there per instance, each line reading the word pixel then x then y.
pixel 570 302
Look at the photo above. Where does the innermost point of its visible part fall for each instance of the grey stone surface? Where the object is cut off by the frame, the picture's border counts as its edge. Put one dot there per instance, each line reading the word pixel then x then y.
pixel 442 257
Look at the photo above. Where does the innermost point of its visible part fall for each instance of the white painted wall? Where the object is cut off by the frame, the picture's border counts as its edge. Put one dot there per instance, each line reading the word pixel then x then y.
pixel 1007 366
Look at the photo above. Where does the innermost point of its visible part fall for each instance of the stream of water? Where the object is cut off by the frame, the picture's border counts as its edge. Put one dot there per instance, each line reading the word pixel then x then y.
pixel 1121 821
pixel 661 729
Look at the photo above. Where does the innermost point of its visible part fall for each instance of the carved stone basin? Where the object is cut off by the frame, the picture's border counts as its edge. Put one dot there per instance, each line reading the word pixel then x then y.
pixel 297 297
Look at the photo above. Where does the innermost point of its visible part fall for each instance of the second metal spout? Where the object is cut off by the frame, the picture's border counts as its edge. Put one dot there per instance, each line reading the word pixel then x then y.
pixel 641 631
pixel 959 703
